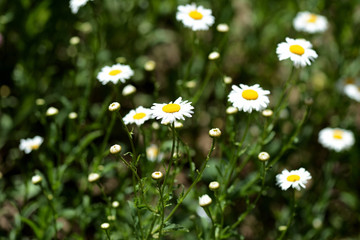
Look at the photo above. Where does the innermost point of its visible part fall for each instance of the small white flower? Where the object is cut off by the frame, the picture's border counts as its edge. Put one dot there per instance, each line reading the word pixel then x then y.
pixel 115 204
pixel 205 200
pixel 352 91
pixel 114 106
pixel 267 113
pixel 93 177
pixel 115 73
pixel 310 22
pixel 105 225
pixel 128 90
pixel 152 153
pixel 51 111
pixel 231 110
pixel 336 139
pixel 215 132
pixel 222 27
pixel 73 115
pixel 227 80
pixel 157 175
pixel 115 149
pixel 295 179
pixel 29 144
pixel 36 179
pixel 168 113
pixel 150 65
pixel 248 98
pixel 214 55
pixel 214 185
pixel 76 4
pixel 264 156
pixel 137 116
pixel 299 51
pixel 195 17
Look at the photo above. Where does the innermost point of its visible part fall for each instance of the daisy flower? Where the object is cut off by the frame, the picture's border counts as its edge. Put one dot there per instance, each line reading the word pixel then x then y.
pixel 29 144
pixel 76 4
pixel 152 153
pixel 115 73
pixel 295 179
pixel 195 17
pixel 168 113
pixel 137 116
pixel 248 98
pixel 310 22
pixel 298 50
pixel 336 139
pixel 351 88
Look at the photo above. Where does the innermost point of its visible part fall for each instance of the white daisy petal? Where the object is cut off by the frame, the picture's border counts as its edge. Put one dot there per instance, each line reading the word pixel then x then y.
pixel 195 17
pixel 172 111
pixel 295 179
pixel 336 139
pixel 310 22
pixel 298 50
pixel 115 73
pixel 137 116
pixel 30 144
pixel 248 98
pixel 76 4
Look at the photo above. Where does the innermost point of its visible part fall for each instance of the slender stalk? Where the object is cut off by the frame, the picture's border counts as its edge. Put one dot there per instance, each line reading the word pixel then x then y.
pixel 198 177
pixel 53 212
pixel 293 213
pixel 107 234
pixel 167 172
pixel 208 212
pixel 162 216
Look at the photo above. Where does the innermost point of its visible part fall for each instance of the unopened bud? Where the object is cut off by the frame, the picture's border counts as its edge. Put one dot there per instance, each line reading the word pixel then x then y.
pixel 114 106
pixel 263 156
pixel 215 133
pixel 115 149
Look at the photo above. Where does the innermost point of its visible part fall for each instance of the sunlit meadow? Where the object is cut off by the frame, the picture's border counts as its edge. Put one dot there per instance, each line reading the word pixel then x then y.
pixel 171 119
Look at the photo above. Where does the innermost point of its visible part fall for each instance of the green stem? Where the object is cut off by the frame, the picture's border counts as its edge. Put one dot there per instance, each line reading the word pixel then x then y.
pixel 293 213
pixel 53 212
pixel 167 172
pixel 162 211
pixel 107 234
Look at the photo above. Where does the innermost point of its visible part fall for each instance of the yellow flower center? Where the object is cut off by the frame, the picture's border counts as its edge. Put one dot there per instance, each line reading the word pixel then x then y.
pixel 171 108
pixel 338 134
pixel 312 18
pixel 293 178
pixel 250 94
pixel 297 49
pixel 35 146
pixel 114 72
pixel 195 15
pixel 139 116
pixel 349 80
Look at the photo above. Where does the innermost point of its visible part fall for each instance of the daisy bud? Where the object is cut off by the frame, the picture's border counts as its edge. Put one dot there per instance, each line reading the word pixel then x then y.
pixel 214 55
pixel 205 200
pixel 111 218
pixel 74 40
pixel 51 111
pixel 128 90
pixel 115 149
pixel 267 113
pixel 157 175
pixel 215 133
pixel 93 177
pixel 155 125
pixel 214 185
pixel 73 115
pixel 40 101
pixel 231 110
pixel 115 204
pixel 191 84
pixel 105 225
pixel 227 80
pixel 114 106
pixel 36 179
pixel 178 124
pixel 150 65
pixel 222 27
pixel 263 156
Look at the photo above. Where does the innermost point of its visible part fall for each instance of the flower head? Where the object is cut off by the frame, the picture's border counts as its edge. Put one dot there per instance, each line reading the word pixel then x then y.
pixel 114 149
pixel 222 27
pixel 115 73
pixel 264 156
pixel 157 175
pixel 168 113
pixel 195 17
pixel 152 153
pixel 205 200
pixel 105 225
pixel 137 116
pixel 298 50
pixel 128 90
pixel 51 111
pixel 30 144
pixel 93 177
pixel 295 179
pixel 248 98
pixel 114 106
pixel 352 91
pixel 215 132
pixel 76 4
pixel 214 185
pixel 310 22
pixel 336 139
pixel 36 179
